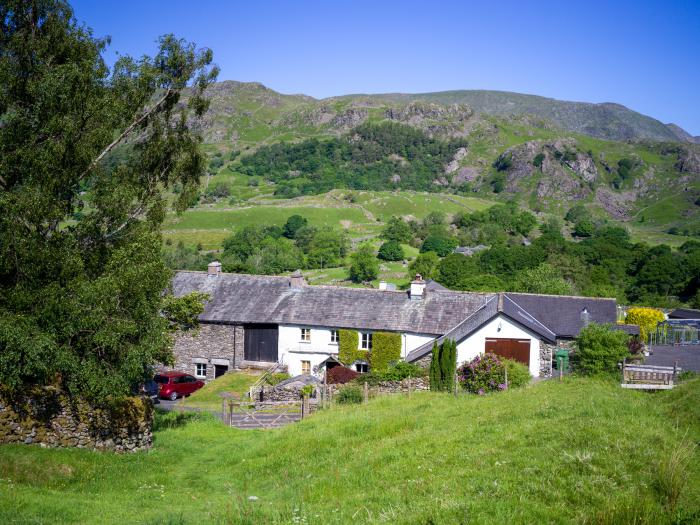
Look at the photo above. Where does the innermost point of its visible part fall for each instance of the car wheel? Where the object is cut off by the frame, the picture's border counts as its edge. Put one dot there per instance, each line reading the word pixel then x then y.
pixel 173 396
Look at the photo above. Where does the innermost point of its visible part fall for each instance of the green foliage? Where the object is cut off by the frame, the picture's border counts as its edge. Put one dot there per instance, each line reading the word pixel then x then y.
pixel 391 251
pixel 349 347
pixel 364 265
pixel 85 153
pixel 576 213
pixel 498 182
pixel 443 365
pixel 425 264
pixel 183 312
pixel 306 390
pixel 402 370
pixel 545 279
pixel 455 270
pixel 276 378
pixel 442 245
pixel 368 158
pixel 349 395
pixel 583 228
pixel 386 349
pixel 599 349
pixel 504 162
pixel 537 160
pixel 293 224
pixel 507 218
pixel 397 230
pixel 646 319
pixel 518 373
pixel 483 374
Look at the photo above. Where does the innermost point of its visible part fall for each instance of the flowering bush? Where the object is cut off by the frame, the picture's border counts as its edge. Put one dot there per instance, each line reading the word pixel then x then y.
pixel 485 373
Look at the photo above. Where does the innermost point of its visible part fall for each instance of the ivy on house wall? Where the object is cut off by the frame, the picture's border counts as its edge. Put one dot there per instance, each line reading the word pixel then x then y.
pixel 386 349
pixel 348 347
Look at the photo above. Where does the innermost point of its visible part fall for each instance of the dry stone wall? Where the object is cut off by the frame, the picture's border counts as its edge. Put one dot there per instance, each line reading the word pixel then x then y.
pixel 48 417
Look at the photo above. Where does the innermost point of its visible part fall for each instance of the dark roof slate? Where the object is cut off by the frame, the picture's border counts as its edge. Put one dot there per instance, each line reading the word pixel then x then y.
pixel 562 314
pixel 684 313
pixel 238 298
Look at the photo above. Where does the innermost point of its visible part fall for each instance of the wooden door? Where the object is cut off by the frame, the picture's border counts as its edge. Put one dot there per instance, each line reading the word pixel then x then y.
pixel 260 342
pixel 516 349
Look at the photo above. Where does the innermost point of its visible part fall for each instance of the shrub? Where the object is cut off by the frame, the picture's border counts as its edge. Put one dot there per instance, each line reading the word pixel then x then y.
pixel 599 349
pixel 402 370
pixel 646 319
pixel 277 378
pixel 442 366
pixel 386 348
pixel 485 373
pixel 391 251
pixel 537 161
pixel 339 375
pixel 441 245
pixel 349 395
pixel 518 373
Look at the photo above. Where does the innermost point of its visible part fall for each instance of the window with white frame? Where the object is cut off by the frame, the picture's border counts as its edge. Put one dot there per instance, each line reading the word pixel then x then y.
pixel 335 337
pixel 200 369
pixel 366 341
pixel 362 368
pixel 306 335
pixel 306 367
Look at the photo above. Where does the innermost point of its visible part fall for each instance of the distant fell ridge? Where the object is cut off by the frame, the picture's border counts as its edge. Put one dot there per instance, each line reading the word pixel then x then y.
pixel 607 120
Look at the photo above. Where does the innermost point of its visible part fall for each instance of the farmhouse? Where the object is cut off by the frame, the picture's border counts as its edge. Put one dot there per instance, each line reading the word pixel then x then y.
pixel 256 321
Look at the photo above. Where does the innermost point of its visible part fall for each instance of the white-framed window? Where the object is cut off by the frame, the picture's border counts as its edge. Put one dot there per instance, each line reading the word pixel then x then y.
pixel 362 368
pixel 200 369
pixel 306 367
pixel 366 341
pixel 305 335
pixel 335 337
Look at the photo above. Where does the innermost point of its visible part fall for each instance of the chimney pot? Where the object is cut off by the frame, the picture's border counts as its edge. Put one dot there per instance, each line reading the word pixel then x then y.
pixel 214 268
pixel 382 285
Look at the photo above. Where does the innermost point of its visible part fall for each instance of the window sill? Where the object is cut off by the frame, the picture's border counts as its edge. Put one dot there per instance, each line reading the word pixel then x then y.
pixel 305 342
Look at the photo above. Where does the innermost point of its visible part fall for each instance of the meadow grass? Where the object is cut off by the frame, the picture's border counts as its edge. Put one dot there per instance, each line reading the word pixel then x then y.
pixel 571 452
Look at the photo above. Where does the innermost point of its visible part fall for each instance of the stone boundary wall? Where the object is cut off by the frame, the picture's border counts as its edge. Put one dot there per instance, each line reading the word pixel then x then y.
pixel 48 417
pixel 388 387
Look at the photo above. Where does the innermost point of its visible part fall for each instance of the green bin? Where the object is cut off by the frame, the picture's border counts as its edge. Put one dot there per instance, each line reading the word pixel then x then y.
pixel 562 359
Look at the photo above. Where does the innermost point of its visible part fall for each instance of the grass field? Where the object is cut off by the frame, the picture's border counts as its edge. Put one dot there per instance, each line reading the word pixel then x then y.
pixel 581 451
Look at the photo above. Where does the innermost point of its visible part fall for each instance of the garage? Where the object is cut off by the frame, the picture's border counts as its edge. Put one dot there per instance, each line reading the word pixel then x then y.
pixel 516 349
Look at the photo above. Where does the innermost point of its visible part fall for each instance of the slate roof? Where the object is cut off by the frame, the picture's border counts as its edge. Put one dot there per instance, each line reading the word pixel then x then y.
pixel 238 298
pixel 562 313
pixel 684 313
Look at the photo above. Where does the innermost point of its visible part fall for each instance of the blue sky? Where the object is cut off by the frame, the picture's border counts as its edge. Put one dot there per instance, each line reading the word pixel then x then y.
pixel 643 54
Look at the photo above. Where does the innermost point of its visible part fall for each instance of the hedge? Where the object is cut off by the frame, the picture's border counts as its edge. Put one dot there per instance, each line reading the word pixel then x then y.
pixel 386 349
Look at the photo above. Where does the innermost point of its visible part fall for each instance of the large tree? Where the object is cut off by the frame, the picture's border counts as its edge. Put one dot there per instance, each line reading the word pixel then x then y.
pixel 86 155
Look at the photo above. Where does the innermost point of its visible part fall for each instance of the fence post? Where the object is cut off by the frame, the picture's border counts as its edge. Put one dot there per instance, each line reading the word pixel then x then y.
pixel 506 372
pixel 366 393
pixel 223 410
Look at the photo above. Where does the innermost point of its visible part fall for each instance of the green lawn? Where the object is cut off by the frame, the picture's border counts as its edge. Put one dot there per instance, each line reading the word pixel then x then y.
pixel 581 451
pixel 234 382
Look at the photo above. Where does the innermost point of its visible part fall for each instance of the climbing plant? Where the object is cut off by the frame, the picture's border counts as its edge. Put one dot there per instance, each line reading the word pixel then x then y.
pixel 386 349
pixel 348 347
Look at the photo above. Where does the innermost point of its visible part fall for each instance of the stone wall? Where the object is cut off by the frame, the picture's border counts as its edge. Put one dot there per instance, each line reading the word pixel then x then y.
pixel 48 417
pixel 210 344
pixel 388 387
pixel 548 351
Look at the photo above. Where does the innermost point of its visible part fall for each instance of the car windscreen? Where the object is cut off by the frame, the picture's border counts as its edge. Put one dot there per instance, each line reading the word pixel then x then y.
pixel 161 379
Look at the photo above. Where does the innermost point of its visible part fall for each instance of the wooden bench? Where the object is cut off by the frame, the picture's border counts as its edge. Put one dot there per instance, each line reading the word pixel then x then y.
pixel 649 377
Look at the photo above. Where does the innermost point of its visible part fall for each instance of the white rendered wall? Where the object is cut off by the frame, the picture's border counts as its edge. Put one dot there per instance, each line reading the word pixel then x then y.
pixel 469 348
pixel 292 350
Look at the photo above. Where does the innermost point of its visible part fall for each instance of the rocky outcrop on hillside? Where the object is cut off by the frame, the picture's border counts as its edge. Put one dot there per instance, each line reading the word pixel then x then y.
pixel 688 159
pixel 435 119
pixel 563 171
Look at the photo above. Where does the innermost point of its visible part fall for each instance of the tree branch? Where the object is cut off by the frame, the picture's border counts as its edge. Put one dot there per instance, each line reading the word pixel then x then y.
pixel 126 132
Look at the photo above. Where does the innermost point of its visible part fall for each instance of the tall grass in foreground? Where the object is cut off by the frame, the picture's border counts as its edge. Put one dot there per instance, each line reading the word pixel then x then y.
pixel 579 451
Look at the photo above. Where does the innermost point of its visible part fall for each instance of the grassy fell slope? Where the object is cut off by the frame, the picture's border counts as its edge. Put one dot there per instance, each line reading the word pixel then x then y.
pixel 580 451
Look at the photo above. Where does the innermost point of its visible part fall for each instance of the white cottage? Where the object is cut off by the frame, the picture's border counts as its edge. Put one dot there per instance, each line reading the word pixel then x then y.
pixel 258 321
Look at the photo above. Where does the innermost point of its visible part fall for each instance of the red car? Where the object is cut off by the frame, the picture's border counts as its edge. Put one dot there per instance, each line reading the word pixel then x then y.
pixel 172 385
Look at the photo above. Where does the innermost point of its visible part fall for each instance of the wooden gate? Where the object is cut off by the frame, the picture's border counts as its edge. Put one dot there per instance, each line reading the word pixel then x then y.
pixel 516 349
pixel 250 415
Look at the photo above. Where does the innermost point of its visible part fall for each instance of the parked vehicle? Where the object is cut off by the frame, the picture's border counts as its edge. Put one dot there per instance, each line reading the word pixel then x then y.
pixel 176 384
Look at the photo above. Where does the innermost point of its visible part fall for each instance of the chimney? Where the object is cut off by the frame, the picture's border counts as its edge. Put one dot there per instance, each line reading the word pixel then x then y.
pixel 214 268
pixel 585 316
pixel 382 285
pixel 296 280
pixel 417 288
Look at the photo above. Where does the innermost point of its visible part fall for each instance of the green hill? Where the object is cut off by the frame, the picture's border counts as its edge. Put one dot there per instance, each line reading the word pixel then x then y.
pixel 581 451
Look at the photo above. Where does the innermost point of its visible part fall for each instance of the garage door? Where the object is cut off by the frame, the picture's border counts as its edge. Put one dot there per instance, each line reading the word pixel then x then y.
pixel 516 349
pixel 260 342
